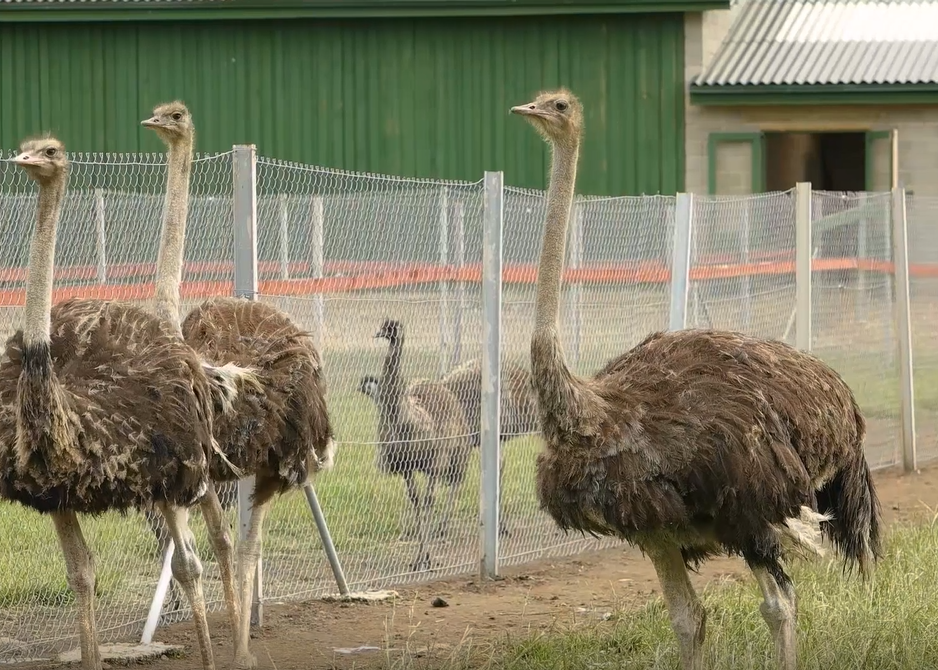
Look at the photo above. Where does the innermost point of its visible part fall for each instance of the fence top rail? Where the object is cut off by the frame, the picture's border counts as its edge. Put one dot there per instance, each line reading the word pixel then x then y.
pixel 374 176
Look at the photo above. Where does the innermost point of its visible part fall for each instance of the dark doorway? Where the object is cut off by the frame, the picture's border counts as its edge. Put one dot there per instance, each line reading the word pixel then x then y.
pixel 830 161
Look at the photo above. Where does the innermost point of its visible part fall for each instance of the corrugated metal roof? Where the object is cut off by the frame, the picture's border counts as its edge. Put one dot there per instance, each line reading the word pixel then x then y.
pixel 828 42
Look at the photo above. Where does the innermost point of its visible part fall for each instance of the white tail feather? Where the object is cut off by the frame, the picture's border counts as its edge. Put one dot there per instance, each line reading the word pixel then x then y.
pixel 801 536
pixel 235 470
pixel 228 381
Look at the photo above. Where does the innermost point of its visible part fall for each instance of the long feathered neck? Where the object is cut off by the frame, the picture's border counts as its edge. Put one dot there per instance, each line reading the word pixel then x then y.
pixel 392 382
pixel 562 397
pixel 173 235
pixel 36 326
pixel 42 423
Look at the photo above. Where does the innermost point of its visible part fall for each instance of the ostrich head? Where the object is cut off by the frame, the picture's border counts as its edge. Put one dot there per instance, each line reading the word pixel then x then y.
pixel 171 121
pixel 43 158
pixel 390 330
pixel 369 386
pixel 556 115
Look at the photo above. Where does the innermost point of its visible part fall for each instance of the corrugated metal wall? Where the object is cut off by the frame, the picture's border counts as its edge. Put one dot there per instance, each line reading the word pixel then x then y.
pixel 420 97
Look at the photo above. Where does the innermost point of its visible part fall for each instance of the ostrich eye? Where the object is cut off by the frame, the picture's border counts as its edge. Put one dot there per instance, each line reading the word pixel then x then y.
pixel 50 152
pixel 177 116
pixel 561 106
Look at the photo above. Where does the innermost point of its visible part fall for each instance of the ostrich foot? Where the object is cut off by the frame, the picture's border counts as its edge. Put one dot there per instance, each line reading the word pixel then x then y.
pixel 421 563
pixel 245 662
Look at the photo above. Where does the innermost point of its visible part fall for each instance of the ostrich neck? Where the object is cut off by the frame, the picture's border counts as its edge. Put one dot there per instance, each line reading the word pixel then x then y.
pixel 36 327
pixel 553 250
pixel 173 235
pixel 392 385
pixel 561 396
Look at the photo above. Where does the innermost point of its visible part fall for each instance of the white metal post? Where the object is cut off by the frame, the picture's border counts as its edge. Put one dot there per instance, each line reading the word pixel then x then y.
pixel 100 235
pixel 283 213
pixel 493 219
pixel 803 254
pixel 444 283
pixel 576 289
pixel 317 267
pixel 680 260
pixel 244 174
pixel 460 304
pixel 900 236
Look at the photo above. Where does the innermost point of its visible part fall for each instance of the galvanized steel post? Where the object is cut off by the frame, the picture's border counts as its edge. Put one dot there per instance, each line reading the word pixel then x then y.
pixel 900 238
pixel 244 175
pixel 680 260
pixel 803 255
pixel 492 222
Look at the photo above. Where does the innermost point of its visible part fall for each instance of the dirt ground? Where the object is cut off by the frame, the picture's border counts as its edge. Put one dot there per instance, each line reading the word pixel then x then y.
pixel 319 635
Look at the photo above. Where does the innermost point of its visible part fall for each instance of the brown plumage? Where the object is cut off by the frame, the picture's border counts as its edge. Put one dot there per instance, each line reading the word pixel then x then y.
pixel 421 428
pixel 102 407
pixel 279 431
pixel 518 414
pixel 694 442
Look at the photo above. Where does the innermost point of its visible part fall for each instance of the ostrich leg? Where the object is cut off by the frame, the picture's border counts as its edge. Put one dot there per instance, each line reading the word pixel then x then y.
pixel 688 616
pixel 219 534
pixel 410 530
pixel 188 572
pixel 249 553
pixel 452 496
pixel 80 567
pixel 779 611
pixel 425 528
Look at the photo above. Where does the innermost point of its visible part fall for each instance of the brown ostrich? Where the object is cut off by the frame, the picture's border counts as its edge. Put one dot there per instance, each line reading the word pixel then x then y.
pixel 695 442
pixel 421 428
pixel 273 422
pixel 518 401
pixel 173 123
pixel 518 415
pixel 280 431
pixel 102 407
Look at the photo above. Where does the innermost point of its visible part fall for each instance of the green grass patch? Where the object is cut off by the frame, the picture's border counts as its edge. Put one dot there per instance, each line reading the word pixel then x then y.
pixel 887 623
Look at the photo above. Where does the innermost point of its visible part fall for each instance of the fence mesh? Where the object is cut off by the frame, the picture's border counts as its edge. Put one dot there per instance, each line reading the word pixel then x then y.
pixel 344 252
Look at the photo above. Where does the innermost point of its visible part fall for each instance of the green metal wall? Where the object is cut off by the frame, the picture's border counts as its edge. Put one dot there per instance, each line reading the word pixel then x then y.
pixel 421 97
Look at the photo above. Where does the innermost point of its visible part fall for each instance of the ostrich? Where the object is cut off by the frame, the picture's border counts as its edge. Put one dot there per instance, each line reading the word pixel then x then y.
pixel 518 413
pixel 421 428
pixel 518 402
pixel 277 428
pixel 695 442
pixel 102 407
pixel 279 432
pixel 172 122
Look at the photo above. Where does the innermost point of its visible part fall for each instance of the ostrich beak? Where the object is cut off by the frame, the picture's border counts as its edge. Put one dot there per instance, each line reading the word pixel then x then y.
pixel 153 122
pixel 529 109
pixel 24 159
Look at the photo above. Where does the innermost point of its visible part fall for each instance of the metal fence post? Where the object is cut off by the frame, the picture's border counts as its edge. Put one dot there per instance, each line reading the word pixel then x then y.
pixel 900 236
pixel 492 221
pixel 317 266
pixel 576 289
pixel 100 235
pixel 283 212
pixel 244 174
pixel 444 282
pixel 680 260
pixel 803 256
pixel 460 304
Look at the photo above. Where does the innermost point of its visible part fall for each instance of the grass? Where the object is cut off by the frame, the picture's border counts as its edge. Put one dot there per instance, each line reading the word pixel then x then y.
pixel 887 623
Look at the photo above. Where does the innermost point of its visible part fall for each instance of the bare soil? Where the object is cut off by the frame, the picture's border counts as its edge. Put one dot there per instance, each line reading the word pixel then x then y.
pixel 319 635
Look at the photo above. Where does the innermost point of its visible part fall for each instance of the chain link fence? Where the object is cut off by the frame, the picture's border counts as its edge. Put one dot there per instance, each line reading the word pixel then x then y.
pixel 385 273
